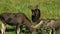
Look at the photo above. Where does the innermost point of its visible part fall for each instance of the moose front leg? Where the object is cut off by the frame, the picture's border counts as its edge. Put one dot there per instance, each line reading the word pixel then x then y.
pixel 50 31
pixel 17 29
pixel 54 31
pixel 3 28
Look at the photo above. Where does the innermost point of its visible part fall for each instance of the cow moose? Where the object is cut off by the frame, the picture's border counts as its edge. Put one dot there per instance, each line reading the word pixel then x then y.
pixel 17 19
pixel 35 13
pixel 52 24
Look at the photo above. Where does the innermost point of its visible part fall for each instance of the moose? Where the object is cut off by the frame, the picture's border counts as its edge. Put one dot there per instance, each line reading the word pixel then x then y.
pixel 35 13
pixel 52 24
pixel 17 19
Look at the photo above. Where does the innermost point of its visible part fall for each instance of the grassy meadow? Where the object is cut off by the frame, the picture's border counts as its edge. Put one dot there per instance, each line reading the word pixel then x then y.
pixel 50 9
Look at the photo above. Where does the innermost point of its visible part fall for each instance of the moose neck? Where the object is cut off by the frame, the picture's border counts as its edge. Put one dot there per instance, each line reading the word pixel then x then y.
pixel 38 25
pixel 27 22
pixel 31 24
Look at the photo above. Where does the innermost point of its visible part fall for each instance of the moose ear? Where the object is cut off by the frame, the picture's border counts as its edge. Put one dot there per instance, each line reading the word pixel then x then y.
pixel 29 6
pixel 36 6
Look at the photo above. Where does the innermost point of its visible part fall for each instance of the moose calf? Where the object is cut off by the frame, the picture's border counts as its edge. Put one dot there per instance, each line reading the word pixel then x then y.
pixel 53 24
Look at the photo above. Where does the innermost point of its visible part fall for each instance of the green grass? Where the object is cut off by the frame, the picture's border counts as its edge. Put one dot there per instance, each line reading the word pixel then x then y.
pixel 50 9
pixel 10 32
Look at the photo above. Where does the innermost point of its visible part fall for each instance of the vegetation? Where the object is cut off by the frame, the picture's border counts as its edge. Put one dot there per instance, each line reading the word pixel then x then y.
pixel 50 9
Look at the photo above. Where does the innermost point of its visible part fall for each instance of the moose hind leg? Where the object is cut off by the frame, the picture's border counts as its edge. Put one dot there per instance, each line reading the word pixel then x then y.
pixel 3 28
pixel 17 30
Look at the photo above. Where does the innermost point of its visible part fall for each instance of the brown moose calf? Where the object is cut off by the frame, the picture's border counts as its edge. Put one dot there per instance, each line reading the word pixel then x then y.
pixel 53 24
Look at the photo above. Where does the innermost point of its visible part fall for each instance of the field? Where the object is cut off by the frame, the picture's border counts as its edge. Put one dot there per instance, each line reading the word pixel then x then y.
pixel 50 9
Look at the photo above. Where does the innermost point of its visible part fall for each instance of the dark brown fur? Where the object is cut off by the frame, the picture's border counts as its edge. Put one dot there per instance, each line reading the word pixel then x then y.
pixel 35 13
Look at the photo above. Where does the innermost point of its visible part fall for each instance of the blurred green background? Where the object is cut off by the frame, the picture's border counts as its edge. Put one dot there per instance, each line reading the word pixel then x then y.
pixel 50 9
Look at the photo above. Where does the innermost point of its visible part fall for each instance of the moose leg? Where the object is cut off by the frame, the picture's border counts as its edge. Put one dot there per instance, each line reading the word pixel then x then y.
pixel 17 29
pixel 54 31
pixel 3 28
pixel 50 31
